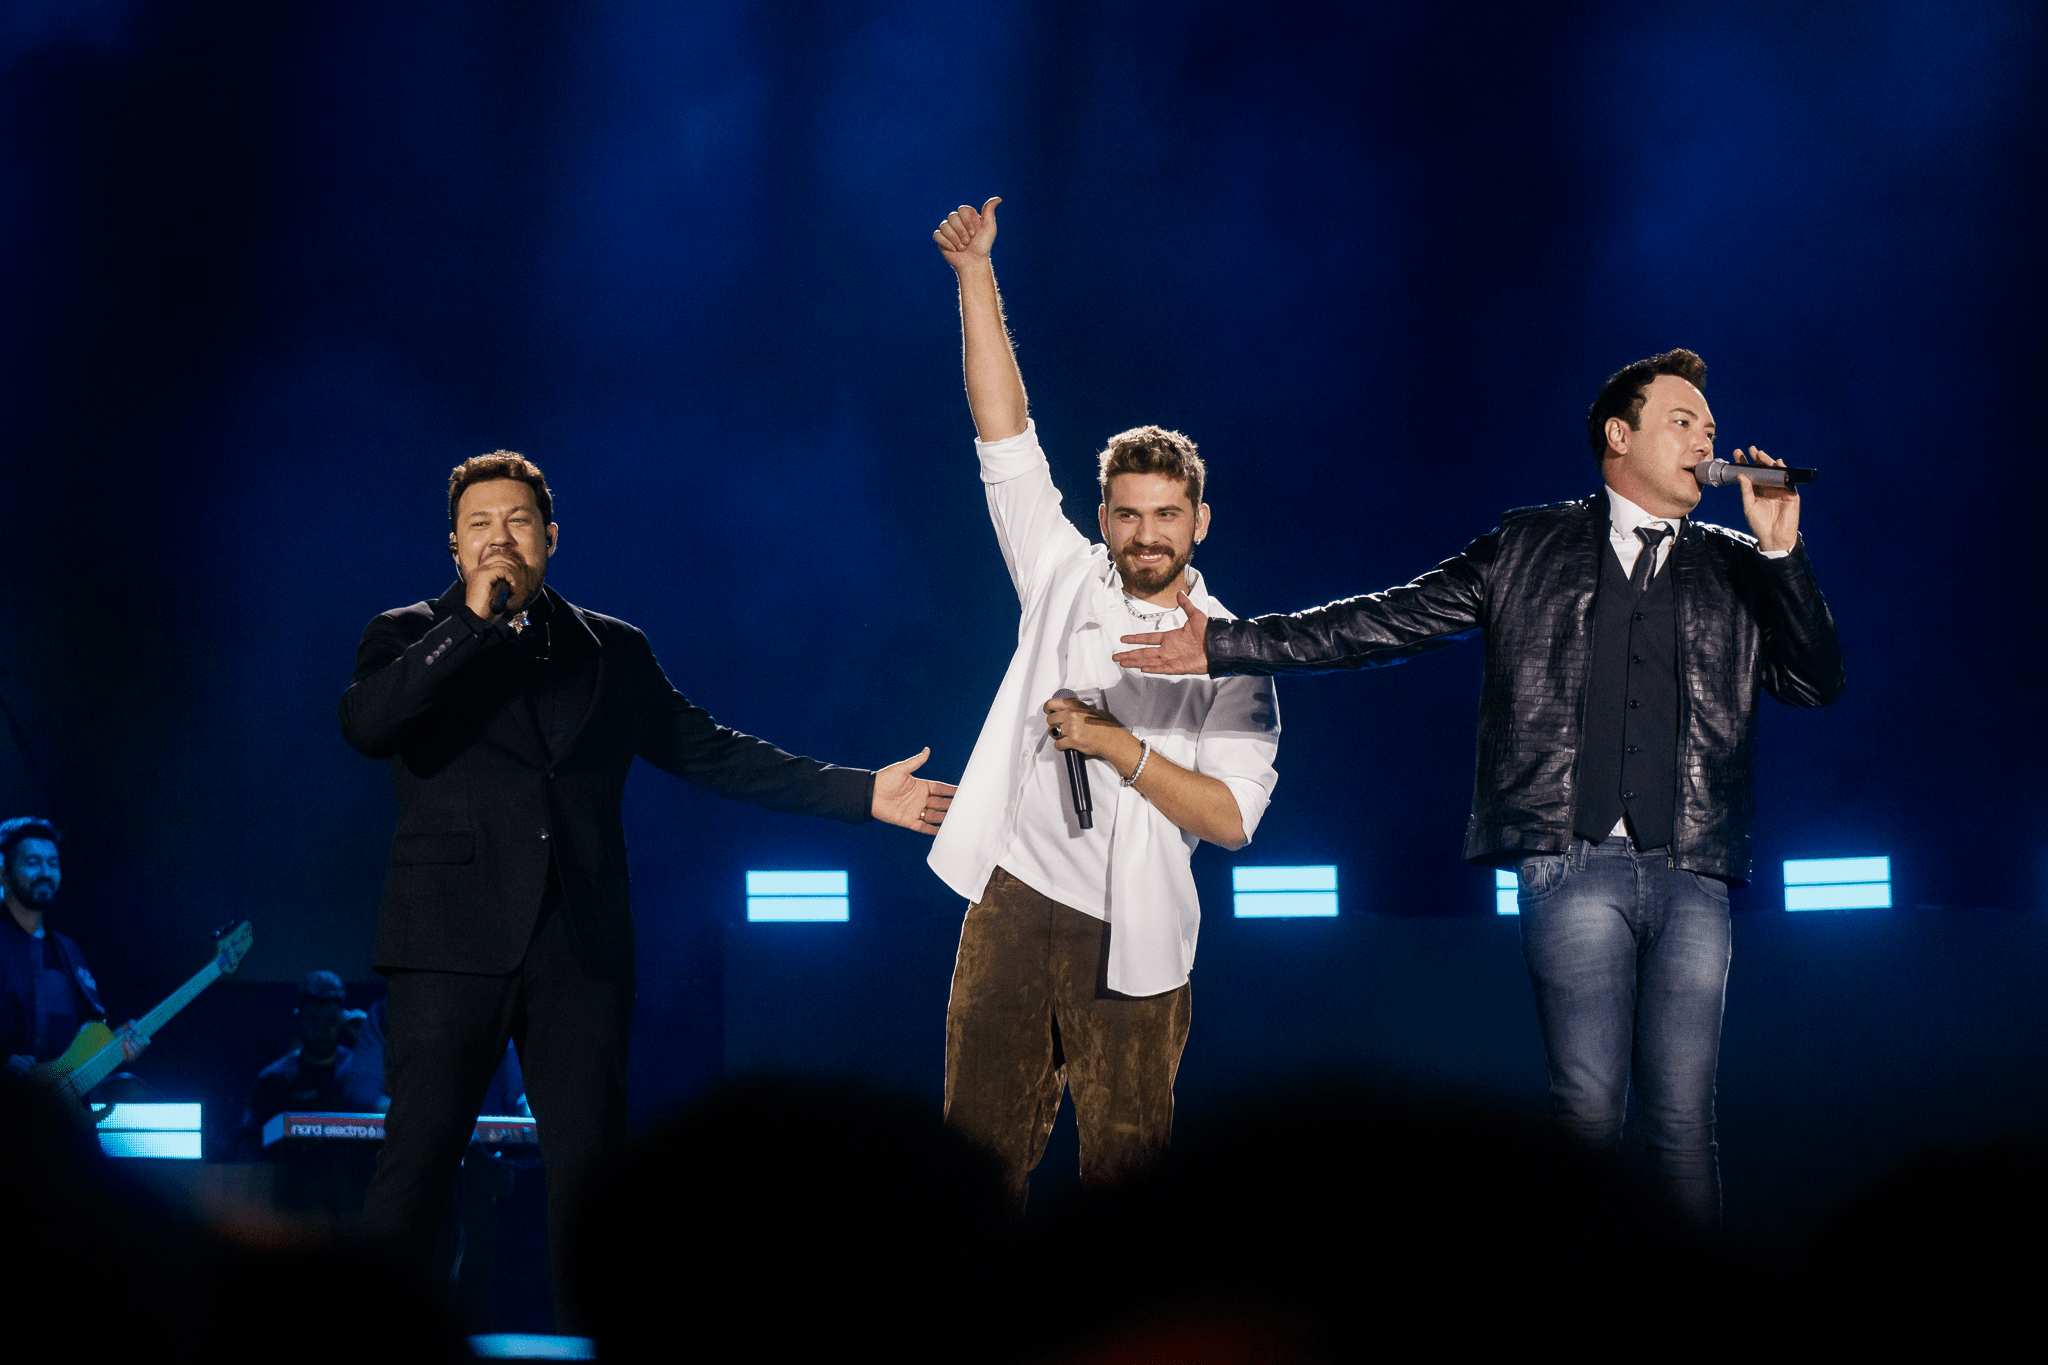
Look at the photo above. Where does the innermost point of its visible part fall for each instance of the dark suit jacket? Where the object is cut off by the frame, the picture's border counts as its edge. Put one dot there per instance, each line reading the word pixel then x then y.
pixel 483 803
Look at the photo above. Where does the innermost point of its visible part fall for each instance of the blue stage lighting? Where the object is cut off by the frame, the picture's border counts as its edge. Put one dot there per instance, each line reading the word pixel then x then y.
pixel 1838 883
pixel 1284 892
pixel 1505 885
pixel 784 897
pixel 151 1130
pixel 531 1346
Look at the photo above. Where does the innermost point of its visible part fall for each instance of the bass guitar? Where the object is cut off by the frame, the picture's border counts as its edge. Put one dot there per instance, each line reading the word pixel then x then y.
pixel 98 1051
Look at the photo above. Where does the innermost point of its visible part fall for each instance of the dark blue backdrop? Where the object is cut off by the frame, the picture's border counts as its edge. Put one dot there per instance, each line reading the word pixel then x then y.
pixel 271 270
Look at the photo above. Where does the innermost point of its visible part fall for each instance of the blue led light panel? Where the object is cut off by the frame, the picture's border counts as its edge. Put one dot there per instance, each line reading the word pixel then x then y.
pixel 1838 883
pixel 156 1131
pixel 1284 892
pixel 1816 871
pixel 1505 885
pixel 797 897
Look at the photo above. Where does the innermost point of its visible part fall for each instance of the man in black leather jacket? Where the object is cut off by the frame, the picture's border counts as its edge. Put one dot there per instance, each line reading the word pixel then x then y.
pixel 1625 649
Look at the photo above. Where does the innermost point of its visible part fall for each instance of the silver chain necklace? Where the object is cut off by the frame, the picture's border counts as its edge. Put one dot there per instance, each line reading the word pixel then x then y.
pixel 1148 617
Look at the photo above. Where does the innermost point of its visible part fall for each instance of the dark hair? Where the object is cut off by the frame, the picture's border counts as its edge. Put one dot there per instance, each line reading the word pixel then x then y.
pixel 319 986
pixel 500 464
pixel 1623 393
pixel 1153 450
pixel 21 827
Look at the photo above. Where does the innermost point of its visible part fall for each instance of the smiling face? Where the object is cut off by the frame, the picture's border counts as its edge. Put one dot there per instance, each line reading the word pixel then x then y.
pixel 33 874
pixel 1151 528
pixel 498 532
pixel 1651 464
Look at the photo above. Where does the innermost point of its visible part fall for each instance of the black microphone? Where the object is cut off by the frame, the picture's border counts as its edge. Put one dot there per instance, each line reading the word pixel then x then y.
pixel 1717 473
pixel 1077 783
pixel 502 598
pixel 1077 779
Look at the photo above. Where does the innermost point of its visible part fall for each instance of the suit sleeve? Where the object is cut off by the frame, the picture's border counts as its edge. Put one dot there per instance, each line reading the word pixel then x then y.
pixel 398 682
pixel 1801 653
pixel 1374 631
pixel 681 738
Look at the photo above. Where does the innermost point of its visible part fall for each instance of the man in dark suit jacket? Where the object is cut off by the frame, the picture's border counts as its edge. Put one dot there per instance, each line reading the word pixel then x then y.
pixel 510 718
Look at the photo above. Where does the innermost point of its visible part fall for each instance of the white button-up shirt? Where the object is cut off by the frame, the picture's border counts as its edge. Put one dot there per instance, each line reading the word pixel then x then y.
pixel 1133 868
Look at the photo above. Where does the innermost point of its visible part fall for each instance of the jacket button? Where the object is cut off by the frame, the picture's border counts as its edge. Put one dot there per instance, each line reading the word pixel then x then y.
pixel 1628 796
pixel 1638 616
pixel 1634 749
pixel 1634 704
pixel 543 834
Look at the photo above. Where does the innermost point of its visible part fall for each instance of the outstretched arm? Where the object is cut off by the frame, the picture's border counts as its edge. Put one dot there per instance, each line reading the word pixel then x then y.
pixel 1373 631
pixel 995 387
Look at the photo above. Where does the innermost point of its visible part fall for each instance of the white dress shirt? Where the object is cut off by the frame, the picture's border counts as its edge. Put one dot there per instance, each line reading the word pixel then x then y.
pixel 1133 868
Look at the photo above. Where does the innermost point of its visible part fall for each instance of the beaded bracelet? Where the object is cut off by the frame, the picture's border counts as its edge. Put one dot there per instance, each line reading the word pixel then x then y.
pixel 1144 754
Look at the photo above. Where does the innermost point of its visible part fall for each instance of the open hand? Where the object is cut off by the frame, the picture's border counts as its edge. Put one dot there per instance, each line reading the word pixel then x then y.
pixel 913 802
pixel 1185 650
pixel 1773 512
pixel 967 237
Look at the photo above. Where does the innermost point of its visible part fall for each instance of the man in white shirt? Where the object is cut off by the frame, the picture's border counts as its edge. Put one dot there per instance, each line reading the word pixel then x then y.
pixel 1074 958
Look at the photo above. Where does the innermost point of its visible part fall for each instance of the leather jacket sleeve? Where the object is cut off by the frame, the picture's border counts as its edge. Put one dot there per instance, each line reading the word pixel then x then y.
pixel 1373 631
pixel 1801 655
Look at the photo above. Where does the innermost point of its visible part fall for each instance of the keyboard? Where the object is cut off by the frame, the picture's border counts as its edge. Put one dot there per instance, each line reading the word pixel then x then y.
pixel 492 1130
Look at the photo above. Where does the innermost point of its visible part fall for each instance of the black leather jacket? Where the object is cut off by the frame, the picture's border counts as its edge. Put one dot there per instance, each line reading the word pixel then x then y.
pixel 1745 623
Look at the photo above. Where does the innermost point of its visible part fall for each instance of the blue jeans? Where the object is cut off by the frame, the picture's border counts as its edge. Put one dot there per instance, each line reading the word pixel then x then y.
pixel 1629 958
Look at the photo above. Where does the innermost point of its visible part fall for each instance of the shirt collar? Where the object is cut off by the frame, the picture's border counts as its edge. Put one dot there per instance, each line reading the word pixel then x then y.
pixel 1624 517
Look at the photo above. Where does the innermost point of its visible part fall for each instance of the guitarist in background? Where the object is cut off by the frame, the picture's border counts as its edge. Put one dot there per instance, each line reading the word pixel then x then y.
pixel 46 992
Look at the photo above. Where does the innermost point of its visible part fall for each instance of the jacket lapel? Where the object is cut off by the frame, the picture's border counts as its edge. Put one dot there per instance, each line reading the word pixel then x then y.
pixel 514 726
pixel 570 618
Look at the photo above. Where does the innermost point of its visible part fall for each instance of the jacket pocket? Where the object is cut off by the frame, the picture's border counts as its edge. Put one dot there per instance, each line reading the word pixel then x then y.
pixel 410 850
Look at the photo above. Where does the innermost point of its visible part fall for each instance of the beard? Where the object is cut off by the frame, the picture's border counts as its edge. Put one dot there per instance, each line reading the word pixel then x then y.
pixel 34 892
pixel 1141 582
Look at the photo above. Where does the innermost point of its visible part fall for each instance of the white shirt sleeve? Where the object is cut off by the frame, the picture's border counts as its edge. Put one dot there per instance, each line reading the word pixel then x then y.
pixel 1239 741
pixel 1031 526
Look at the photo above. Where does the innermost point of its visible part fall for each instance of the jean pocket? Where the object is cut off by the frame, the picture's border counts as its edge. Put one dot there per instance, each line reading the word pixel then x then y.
pixel 1713 886
pixel 1539 875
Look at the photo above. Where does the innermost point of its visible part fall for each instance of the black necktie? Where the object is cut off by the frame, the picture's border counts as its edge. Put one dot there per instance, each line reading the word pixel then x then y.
pixel 1646 558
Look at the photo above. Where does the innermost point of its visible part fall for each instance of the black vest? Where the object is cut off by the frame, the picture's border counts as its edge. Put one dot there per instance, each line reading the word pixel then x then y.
pixel 1628 760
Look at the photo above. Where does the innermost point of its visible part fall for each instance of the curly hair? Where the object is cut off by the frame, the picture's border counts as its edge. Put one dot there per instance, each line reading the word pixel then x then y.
pixel 1153 450
pixel 1623 394
pixel 500 464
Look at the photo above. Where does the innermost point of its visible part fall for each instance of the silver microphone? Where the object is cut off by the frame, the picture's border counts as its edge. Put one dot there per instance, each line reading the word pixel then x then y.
pixel 1717 473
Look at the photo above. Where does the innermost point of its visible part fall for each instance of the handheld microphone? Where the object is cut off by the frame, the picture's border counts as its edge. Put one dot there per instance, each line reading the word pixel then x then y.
pixel 1077 783
pixel 1717 473
pixel 501 598
pixel 1077 779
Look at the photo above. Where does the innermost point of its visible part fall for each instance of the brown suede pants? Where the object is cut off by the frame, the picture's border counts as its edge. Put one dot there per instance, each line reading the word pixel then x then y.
pixel 1032 1013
